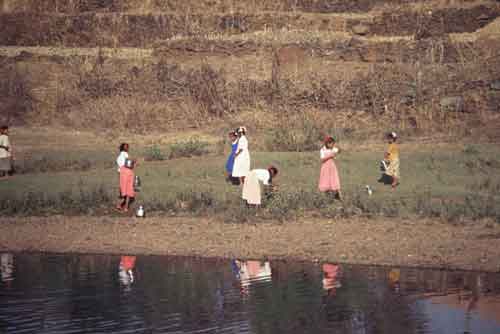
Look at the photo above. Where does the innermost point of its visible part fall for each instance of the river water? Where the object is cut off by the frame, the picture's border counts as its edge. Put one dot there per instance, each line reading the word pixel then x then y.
pixel 52 293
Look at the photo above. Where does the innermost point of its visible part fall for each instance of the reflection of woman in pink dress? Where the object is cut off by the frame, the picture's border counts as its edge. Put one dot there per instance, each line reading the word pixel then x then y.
pixel 331 280
pixel 126 270
pixel 329 177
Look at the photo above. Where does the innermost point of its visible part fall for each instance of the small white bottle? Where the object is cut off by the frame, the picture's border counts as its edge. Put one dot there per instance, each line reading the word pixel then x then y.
pixel 369 190
pixel 140 212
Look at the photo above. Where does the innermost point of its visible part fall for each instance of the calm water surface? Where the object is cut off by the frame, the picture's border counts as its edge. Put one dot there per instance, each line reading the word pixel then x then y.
pixel 50 293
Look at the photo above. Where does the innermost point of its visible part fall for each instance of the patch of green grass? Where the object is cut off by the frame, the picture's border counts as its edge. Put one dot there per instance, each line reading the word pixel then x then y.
pixel 435 183
pixel 46 160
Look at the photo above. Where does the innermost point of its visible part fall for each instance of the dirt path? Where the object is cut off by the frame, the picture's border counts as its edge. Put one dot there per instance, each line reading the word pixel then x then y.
pixel 424 243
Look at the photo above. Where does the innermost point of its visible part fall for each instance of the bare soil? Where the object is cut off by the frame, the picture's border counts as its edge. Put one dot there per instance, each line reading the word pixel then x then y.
pixel 415 243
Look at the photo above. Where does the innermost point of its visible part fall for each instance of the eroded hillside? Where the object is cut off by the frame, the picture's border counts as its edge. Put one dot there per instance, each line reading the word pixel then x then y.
pixel 414 65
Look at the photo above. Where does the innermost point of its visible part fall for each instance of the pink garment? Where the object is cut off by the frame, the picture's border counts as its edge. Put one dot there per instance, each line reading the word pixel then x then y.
pixel 127 182
pixel 329 176
pixel 127 262
pixel 330 277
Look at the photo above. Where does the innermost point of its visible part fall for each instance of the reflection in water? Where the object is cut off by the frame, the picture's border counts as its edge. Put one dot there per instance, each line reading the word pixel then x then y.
pixel 7 267
pixel 86 294
pixel 125 270
pixel 331 279
pixel 393 277
pixel 250 273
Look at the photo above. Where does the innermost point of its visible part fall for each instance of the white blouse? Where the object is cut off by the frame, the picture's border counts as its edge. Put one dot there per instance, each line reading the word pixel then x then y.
pixel 120 161
pixel 263 175
pixel 326 152
pixel 242 143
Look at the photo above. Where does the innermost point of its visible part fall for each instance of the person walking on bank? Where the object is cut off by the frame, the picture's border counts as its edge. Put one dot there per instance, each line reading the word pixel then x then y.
pixel 252 193
pixel 6 155
pixel 241 166
pixel 329 180
pixel 233 137
pixel 391 158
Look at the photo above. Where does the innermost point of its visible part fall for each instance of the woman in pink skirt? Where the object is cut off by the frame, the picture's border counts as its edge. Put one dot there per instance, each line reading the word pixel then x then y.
pixel 329 177
pixel 127 192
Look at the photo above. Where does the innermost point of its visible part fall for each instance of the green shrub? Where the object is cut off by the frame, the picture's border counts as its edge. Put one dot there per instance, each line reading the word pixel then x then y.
pixel 470 150
pixel 300 136
pixel 192 147
pixel 154 153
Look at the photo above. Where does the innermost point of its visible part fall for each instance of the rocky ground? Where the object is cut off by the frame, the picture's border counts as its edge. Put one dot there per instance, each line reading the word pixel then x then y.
pixel 415 243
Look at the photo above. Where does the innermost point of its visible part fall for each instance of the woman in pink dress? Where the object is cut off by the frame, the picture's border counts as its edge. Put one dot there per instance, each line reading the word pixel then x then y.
pixel 329 177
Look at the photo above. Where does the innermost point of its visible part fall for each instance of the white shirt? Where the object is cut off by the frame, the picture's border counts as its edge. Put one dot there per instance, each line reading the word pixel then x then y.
pixel 120 161
pixel 242 143
pixel 4 141
pixel 263 175
pixel 326 152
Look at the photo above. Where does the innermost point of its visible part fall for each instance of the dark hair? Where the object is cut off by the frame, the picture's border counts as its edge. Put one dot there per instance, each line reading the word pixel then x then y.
pixel 273 171
pixel 329 139
pixel 122 146
pixel 241 130
pixel 392 136
pixel 4 127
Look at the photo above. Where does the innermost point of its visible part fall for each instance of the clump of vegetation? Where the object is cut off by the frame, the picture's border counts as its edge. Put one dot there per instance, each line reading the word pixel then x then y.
pixel 470 150
pixel 16 96
pixel 94 201
pixel 295 135
pixel 154 153
pixel 186 149
pixel 282 206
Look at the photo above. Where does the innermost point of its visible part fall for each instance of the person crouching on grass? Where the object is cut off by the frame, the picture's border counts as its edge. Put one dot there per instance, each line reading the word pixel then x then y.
pixel 251 187
pixel 127 192
pixel 391 158
pixel 6 155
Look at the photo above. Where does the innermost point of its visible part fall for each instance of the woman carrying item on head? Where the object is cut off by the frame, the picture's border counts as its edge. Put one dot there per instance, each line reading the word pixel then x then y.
pixel 233 137
pixel 127 192
pixel 329 180
pixel 241 166
pixel 6 155
pixel 251 188
pixel 391 158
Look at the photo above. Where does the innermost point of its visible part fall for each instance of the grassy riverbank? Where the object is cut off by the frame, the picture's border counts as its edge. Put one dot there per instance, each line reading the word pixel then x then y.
pixel 453 182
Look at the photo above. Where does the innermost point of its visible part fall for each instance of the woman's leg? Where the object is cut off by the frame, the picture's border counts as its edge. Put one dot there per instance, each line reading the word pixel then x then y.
pixel 395 182
pixel 338 195
pixel 126 204
pixel 120 204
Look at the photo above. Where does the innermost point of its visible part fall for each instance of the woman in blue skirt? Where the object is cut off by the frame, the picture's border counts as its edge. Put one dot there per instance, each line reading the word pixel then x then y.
pixel 233 137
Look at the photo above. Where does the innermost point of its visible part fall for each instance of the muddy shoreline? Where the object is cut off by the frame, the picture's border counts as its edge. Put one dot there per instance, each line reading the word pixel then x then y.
pixel 392 242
